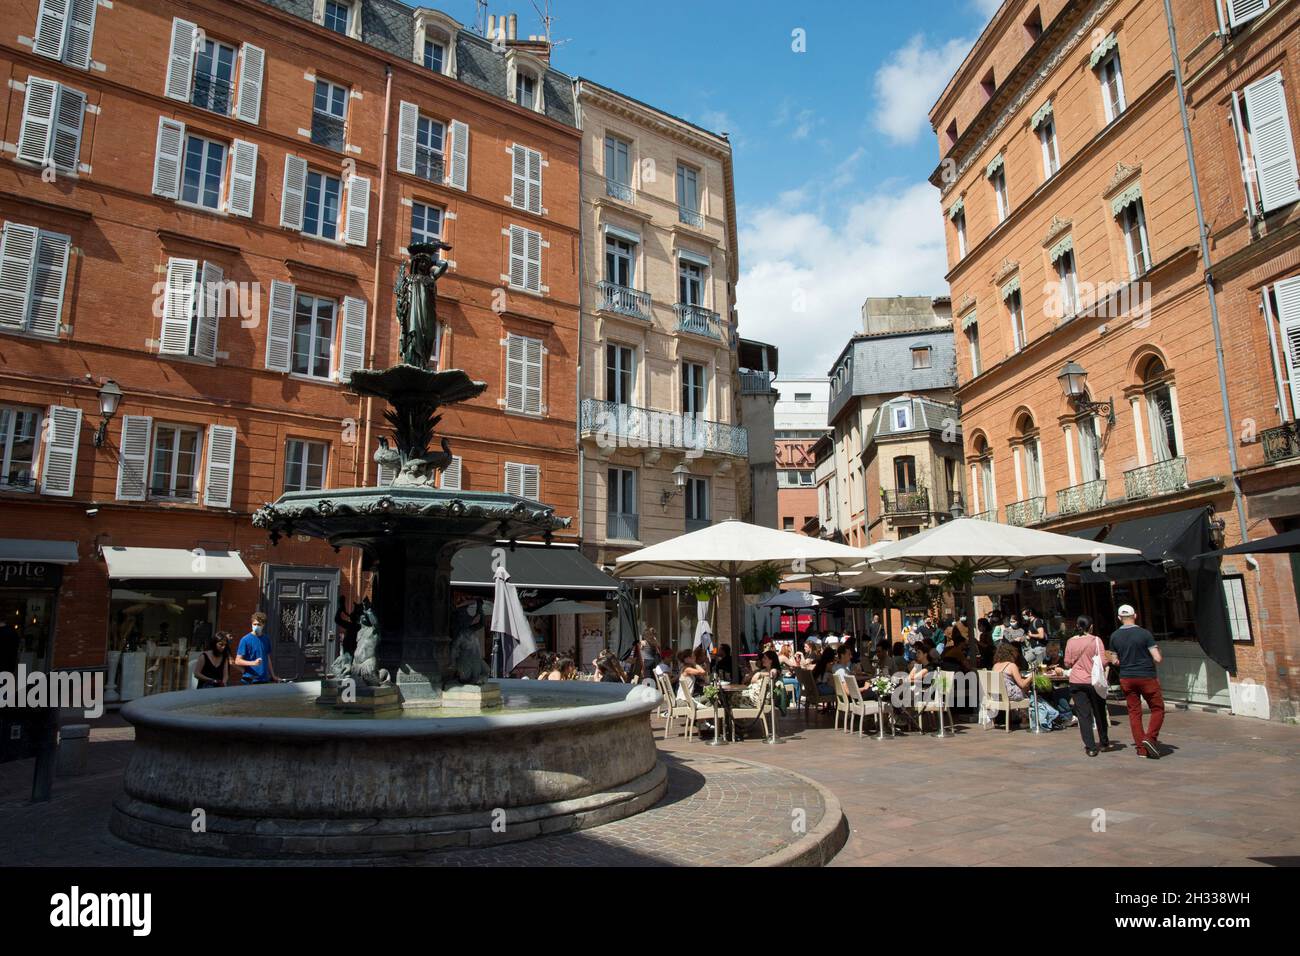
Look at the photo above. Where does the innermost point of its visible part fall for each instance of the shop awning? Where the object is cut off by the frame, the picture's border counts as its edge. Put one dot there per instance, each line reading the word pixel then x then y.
pixel 556 568
pixel 1286 542
pixel 44 552
pixel 1173 536
pixel 1055 570
pixel 175 564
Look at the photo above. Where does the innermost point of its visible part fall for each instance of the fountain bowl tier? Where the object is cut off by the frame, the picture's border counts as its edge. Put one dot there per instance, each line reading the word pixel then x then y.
pixel 321 786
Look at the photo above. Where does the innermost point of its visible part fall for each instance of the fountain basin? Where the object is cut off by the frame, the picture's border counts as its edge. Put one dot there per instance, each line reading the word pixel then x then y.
pixel 202 781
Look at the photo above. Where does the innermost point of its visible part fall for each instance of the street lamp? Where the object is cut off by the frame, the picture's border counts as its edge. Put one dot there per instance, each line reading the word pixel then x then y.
pixel 680 474
pixel 110 396
pixel 1074 383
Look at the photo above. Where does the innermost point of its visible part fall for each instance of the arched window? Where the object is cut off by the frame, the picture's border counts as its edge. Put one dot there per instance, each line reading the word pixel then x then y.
pixel 982 480
pixel 1032 457
pixel 1085 426
pixel 1161 422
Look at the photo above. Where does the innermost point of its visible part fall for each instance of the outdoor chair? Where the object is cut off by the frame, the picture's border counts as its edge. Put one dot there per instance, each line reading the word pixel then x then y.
pixel 758 713
pixel 841 703
pixel 810 696
pixel 860 706
pixel 665 688
pixel 685 709
pixel 934 700
pixel 996 700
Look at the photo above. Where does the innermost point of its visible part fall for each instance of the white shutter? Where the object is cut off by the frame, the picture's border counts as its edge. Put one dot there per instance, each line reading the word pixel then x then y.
pixel 220 472
pixel 51 28
pixel 458 174
pixel 211 302
pixel 533 260
pixel 17 255
pixel 1274 146
pixel 352 353
pixel 59 467
pixel 252 61
pixel 1288 318
pixel 449 480
pixel 529 479
pixel 49 276
pixel 70 110
pixel 1240 11
pixel 358 210
pixel 515 373
pixel 408 122
pixel 243 178
pixel 534 173
pixel 133 457
pixel 518 256
pixel 180 67
pixel 178 306
pixel 295 188
pixel 384 476
pixel 37 129
pixel 279 325
pixel 518 177
pixel 514 479
pixel 167 158
pixel 533 376
pixel 81 33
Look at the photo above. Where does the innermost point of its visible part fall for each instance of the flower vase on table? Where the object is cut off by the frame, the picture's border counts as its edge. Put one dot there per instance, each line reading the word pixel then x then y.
pixel 884 688
pixel 712 694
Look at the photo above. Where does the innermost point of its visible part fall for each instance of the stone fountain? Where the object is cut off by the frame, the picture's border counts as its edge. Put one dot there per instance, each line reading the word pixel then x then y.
pixel 405 745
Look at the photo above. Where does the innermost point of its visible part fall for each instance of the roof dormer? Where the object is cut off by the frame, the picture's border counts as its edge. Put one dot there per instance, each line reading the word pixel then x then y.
pixel 435 41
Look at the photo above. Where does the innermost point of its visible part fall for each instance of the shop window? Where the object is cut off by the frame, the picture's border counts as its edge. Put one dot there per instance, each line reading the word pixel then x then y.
pixel 1234 594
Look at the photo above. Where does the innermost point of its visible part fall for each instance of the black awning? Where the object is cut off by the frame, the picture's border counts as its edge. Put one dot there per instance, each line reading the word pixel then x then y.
pixel 555 568
pixel 1056 570
pixel 1287 541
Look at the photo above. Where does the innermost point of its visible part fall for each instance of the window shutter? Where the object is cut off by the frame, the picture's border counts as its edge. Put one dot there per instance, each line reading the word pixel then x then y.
pixel 1288 317
pixel 48 280
pixel 449 480
pixel 533 376
pixel 37 130
pixel 167 158
pixel 1240 11
pixel 211 300
pixel 358 210
pixel 514 479
pixel 51 28
pixel 352 354
pixel 252 61
pixel 1274 146
pixel 458 174
pixel 295 188
pixel 532 479
pixel 68 115
pixel 519 177
pixel 180 67
pixel 243 178
pixel 17 254
pixel 408 122
pixel 220 472
pixel 534 171
pixel 279 325
pixel 178 306
pixel 384 476
pixel 515 373
pixel 133 457
pixel 518 256
pixel 533 263
pixel 59 467
pixel 81 32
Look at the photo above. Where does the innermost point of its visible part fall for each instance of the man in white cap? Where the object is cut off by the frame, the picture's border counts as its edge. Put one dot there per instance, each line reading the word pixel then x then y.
pixel 1138 656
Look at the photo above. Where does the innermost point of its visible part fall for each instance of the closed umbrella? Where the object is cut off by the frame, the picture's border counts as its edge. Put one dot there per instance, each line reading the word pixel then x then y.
pixel 509 623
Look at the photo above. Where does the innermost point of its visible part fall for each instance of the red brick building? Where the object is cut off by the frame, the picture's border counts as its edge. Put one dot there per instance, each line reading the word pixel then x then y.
pixel 206 203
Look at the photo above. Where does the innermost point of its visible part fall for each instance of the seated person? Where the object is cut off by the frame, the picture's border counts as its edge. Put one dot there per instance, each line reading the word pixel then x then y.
pixel 1018 687
pixel 953 658
pixel 691 671
pixel 821 674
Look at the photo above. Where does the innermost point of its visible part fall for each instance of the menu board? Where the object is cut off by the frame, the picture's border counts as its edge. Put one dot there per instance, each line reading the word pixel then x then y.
pixel 591 644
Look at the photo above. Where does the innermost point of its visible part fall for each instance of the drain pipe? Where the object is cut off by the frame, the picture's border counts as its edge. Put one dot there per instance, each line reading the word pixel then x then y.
pixel 582 293
pixel 1203 233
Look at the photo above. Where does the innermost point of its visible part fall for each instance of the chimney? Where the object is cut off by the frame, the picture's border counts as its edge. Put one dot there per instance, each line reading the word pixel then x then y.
pixel 514 22
pixel 491 26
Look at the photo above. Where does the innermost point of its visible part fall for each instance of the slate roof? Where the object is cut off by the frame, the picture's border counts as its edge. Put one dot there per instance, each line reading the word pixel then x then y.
pixel 881 364
pixel 927 416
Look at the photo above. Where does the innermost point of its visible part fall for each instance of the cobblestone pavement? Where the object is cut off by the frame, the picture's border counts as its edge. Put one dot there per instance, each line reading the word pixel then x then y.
pixel 1226 793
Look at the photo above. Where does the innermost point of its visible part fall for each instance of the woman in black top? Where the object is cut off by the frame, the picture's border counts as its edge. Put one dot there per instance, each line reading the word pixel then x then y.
pixel 213 666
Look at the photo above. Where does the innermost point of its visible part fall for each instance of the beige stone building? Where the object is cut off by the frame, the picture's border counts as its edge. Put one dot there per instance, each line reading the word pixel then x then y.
pixel 662 451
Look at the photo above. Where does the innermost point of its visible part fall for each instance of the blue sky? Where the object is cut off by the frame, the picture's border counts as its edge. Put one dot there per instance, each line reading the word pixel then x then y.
pixel 832 145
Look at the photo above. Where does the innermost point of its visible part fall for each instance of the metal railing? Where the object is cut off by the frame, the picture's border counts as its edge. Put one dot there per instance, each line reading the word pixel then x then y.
pixel 621 527
pixel 614 425
pixel 986 516
pixel 430 164
pixel 755 383
pixel 697 524
pixel 20 482
pixel 1282 442
pixel 698 320
pixel 902 502
pixel 327 131
pixel 1160 478
pixel 212 93
pixel 691 217
pixel 624 301
pixel 1028 511
pixel 1085 496
pixel 620 191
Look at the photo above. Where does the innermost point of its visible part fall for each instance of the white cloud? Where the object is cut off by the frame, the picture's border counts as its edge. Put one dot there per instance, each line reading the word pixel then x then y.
pixel 807 268
pixel 910 81
pixel 987 8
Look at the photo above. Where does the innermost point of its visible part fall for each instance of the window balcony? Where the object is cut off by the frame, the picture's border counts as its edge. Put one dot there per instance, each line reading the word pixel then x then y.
pixel 1027 512
pixel 621 527
pixel 624 301
pixel 1085 496
pixel 620 191
pixel 755 383
pixel 212 93
pixel 906 502
pixel 612 425
pixel 1282 442
pixel 327 131
pixel 698 320
pixel 697 524
pixel 986 516
pixel 691 217
pixel 1160 478
pixel 430 164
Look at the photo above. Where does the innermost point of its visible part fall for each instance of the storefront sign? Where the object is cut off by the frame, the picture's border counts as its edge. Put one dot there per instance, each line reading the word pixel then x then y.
pixel 1054 583
pixel 29 574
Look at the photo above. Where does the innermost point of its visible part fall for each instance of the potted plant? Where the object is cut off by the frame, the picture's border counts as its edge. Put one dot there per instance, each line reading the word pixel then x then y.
pixel 762 579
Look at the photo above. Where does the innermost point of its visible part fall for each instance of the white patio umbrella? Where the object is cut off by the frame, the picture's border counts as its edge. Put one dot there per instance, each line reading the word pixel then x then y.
pixel 973 545
pixel 510 622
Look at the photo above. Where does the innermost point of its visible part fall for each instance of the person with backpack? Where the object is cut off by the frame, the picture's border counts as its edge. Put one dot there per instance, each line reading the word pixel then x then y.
pixel 1086 658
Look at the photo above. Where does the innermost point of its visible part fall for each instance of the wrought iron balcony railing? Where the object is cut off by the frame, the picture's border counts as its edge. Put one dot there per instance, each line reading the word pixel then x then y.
pixel 1085 496
pixel 212 93
pixel 691 217
pixel 620 191
pixel 697 524
pixel 1160 478
pixel 23 481
pixel 613 425
pixel 430 164
pixel 755 383
pixel 624 301
pixel 1029 511
pixel 904 502
pixel 327 131
pixel 698 320
pixel 1282 442
pixel 621 527
pixel 986 516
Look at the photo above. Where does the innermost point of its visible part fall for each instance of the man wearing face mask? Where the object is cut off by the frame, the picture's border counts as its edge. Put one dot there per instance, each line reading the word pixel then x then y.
pixel 254 654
